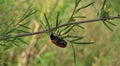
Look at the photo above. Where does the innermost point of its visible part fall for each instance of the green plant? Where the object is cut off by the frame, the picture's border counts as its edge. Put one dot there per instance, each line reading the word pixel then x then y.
pixel 12 33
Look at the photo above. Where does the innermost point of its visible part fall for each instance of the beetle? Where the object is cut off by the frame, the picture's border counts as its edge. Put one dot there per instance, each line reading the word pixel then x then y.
pixel 58 41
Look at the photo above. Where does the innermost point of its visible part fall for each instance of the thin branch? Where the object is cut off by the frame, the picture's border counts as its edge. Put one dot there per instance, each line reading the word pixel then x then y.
pixel 79 22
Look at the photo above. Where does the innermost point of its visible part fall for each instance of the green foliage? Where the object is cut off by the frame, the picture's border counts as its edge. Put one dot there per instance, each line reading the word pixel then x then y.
pixel 105 13
pixel 65 31
pixel 14 27
pixel 82 7
pixel 17 19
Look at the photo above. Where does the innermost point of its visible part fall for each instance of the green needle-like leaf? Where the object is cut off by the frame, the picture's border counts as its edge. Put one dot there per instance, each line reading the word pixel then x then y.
pixel 20 30
pixel 65 28
pixel 79 17
pixel 84 7
pixel 10 31
pixel 8 28
pixel 80 26
pixel 68 30
pixel 27 13
pixel 47 23
pixel 107 26
pixel 104 3
pixel 57 20
pixel 74 53
pixel 81 42
pixel 111 23
pixel 19 39
pixel 77 2
pixel 24 26
pixel 74 36
pixel 76 39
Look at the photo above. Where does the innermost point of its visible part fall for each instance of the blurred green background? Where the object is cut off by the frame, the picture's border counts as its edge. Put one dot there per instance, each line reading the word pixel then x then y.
pixel 41 52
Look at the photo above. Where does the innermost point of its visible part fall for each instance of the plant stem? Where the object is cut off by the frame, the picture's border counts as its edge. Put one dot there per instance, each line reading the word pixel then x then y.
pixel 79 22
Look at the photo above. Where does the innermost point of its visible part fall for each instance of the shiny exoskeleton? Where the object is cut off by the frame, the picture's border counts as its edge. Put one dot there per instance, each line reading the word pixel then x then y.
pixel 58 41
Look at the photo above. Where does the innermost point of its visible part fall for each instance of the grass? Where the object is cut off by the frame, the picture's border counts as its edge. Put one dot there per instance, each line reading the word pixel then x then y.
pixel 41 52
